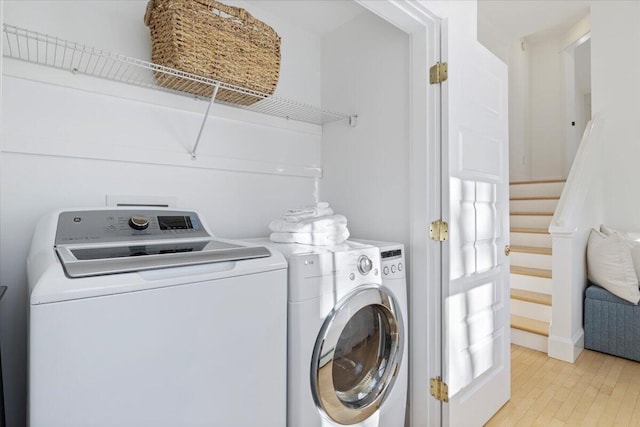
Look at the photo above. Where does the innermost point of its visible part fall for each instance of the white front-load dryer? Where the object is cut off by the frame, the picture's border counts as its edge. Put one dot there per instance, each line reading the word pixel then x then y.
pixel 346 339
pixel 393 268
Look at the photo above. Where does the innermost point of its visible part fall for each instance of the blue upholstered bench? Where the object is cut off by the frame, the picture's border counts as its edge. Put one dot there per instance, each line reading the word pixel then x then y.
pixel 611 324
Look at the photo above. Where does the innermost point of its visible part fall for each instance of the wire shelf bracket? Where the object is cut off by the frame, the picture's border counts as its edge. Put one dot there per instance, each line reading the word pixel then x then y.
pixel 30 46
pixel 204 121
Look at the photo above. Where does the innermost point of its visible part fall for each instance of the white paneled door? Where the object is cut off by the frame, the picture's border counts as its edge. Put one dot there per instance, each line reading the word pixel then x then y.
pixel 475 290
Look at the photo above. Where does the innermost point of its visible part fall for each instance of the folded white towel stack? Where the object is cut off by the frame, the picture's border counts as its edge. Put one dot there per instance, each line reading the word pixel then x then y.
pixel 317 225
pixel 316 239
pixel 321 224
pixel 295 215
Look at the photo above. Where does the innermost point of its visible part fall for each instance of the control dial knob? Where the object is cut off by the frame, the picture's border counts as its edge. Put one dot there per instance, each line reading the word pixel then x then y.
pixel 364 264
pixel 139 222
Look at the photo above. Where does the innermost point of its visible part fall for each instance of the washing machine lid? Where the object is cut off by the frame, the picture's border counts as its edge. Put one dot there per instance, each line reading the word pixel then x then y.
pixel 98 260
pixel 98 242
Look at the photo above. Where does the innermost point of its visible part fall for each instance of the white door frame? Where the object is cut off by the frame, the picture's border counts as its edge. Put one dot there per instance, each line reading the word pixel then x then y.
pixel 423 29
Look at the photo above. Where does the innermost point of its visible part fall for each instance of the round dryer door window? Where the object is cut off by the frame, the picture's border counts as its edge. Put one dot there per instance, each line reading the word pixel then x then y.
pixel 356 355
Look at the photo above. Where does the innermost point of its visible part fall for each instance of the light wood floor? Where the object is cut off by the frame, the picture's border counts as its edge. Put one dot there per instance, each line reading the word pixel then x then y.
pixel 598 390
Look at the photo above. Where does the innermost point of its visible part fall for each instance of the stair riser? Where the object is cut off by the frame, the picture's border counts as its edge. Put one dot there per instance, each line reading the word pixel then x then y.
pixel 531 283
pixel 551 189
pixel 529 340
pixel 531 260
pixel 530 221
pixel 530 239
pixel 531 310
pixel 533 205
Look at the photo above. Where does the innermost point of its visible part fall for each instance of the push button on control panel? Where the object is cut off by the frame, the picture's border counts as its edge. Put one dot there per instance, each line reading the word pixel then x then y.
pixel 392 270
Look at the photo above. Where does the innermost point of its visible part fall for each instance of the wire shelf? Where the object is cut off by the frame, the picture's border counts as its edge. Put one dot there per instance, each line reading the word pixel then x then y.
pixel 34 47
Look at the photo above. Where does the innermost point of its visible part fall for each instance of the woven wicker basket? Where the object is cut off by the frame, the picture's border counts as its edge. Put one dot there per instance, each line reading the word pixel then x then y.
pixel 213 40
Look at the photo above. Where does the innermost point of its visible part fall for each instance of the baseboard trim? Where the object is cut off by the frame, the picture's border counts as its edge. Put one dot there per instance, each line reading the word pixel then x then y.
pixel 565 349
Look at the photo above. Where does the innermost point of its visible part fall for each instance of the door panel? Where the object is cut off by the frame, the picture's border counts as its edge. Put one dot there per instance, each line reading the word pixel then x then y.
pixel 475 203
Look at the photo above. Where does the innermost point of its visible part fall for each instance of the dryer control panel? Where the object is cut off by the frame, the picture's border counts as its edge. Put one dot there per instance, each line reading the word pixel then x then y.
pixel 358 264
pixel 392 263
pixel 110 225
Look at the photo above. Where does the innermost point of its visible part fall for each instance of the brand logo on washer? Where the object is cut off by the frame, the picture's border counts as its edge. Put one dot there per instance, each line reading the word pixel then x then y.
pixel 77 219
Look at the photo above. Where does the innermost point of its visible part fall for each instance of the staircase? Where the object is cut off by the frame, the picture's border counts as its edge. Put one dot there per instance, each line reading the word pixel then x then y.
pixel 532 205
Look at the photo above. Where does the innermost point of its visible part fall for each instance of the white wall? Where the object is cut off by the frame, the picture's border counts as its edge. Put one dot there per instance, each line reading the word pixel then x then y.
pixel 547 108
pixel 70 144
pixel 519 112
pixel 366 169
pixel 615 39
pixel 553 139
pixel 539 127
pixel 491 37
pixel 581 97
pixel 577 71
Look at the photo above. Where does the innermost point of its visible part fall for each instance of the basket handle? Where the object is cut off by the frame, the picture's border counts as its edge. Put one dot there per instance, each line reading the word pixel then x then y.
pixel 238 12
pixel 148 12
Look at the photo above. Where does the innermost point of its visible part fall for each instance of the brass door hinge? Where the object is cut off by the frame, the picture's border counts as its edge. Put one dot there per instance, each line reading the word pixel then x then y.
pixel 439 389
pixel 439 231
pixel 438 73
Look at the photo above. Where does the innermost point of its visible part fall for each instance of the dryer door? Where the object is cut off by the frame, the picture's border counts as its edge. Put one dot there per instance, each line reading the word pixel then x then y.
pixel 357 355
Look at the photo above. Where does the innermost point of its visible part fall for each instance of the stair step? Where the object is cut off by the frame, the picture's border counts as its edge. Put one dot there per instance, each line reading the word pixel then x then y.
pixel 530 340
pixel 536 189
pixel 541 181
pixel 525 259
pixel 530 221
pixel 531 239
pixel 532 213
pixel 531 250
pixel 534 198
pixel 528 271
pixel 531 283
pixel 530 325
pixel 533 207
pixel 529 230
pixel 530 310
pixel 528 296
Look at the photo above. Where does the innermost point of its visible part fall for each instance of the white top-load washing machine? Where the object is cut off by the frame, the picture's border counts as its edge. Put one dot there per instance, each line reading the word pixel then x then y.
pixel 141 317
pixel 347 337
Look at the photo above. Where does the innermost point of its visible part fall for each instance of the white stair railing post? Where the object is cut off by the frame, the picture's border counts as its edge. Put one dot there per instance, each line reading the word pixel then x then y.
pixel 569 229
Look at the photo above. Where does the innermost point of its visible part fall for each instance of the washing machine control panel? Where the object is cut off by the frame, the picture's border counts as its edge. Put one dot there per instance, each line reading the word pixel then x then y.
pixel 117 225
pixel 392 263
